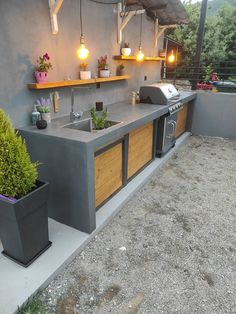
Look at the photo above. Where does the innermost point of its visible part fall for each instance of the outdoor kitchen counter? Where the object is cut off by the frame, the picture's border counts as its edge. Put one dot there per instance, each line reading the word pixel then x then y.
pixel 67 158
pixel 130 116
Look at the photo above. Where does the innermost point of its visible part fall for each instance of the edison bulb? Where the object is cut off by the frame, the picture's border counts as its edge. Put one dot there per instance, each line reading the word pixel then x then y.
pixel 171 57
pixel 140 56
pixel 82 52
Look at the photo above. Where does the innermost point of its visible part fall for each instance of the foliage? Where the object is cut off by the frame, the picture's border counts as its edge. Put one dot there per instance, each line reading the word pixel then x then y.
pixel 17 173
pixel 35 306
pixel 121 66
pixel 83 66
pixel 126 45
pixel 43 63
pixel 207 72
pixel 219 39
pixel 43 105
pixel 99 123
pixel 102 63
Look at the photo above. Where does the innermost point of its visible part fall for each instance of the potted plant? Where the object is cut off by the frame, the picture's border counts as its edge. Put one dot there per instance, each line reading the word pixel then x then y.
pixel 84 74
pixel 99 119
pixel 42 68
pixel 43 106
pixel 23 199
pixel 103 67
pixel 126 50
pixel 120 69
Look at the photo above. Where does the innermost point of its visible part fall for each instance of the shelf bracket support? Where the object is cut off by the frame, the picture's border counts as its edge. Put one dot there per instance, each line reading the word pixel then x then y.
pixel 159 31
pixel 54 7
pixel 123 19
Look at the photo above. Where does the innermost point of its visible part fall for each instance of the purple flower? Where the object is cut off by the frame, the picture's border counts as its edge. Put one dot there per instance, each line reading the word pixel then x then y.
pixel 46 56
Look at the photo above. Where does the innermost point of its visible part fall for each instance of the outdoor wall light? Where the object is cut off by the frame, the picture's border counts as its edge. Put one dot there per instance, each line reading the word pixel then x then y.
pixel 140 54
pixel 171 57
pixel 82 52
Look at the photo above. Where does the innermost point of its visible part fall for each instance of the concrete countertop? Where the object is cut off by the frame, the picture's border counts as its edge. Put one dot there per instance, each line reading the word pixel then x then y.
pixel 130 116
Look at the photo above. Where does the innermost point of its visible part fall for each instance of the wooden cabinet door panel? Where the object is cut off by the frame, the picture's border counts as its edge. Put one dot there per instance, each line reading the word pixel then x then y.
pixel 140 150
pixel 108 173
pixel 181 121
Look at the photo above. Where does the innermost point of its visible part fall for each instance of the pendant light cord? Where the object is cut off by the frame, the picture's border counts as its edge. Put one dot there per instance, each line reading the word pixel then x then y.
pixel 81 22
pixel 141 28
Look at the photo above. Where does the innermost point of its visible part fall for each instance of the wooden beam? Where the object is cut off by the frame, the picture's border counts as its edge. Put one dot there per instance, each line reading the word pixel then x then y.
pixel 54 7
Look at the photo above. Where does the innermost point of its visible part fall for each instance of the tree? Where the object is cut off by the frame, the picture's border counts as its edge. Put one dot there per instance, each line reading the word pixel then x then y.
pixel 220 35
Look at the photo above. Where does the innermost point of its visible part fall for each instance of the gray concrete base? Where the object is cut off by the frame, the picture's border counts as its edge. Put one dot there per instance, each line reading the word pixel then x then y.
pixel 18 283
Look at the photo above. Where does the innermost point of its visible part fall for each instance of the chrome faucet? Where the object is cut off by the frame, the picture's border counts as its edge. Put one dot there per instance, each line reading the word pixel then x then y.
pixel 75 115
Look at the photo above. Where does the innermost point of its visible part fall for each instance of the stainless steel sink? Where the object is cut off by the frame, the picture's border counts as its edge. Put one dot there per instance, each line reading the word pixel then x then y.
pixel 86 125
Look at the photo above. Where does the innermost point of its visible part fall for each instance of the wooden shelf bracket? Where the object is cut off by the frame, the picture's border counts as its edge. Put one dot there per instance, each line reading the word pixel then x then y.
pixel 54 7
pixel 159 31
pixel 123 19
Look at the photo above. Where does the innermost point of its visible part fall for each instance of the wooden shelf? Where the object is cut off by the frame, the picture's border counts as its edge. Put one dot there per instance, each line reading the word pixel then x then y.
pixel 134 58
pixel 76 82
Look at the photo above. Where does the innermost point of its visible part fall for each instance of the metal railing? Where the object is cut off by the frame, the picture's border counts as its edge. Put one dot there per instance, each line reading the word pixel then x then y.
pixel 203 77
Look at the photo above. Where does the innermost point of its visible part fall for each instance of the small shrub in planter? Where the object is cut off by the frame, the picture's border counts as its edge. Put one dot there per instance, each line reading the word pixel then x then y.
pixel 126 50
pixel 23 199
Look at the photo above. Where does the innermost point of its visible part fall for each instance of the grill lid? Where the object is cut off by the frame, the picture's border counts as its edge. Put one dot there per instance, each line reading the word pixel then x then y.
pixel 158 93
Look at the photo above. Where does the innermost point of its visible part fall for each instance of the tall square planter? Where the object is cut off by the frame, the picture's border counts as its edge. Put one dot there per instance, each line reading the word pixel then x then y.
pixel 24 225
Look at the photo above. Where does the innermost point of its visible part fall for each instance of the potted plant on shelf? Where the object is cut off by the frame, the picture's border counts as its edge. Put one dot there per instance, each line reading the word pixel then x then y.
pixel 126 50
pixel 103 67
pixel 23 199
pixel 120 69
pixel 42 68
pixel 84 73
pixel 43 106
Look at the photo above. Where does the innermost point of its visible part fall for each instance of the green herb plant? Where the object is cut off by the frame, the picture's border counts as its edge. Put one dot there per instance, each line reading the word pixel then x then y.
pixel 99 122
pixel 17 173
pixel 126 45
pixel 207 72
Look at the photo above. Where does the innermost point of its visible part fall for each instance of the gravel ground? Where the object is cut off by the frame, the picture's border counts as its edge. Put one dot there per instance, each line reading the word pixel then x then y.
pixel 172 248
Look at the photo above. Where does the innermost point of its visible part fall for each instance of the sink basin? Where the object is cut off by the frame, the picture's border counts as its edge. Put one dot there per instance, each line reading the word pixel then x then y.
pixel 86 125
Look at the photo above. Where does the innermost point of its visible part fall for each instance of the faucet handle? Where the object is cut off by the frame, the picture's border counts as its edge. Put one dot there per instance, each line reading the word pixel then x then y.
pixel 80 114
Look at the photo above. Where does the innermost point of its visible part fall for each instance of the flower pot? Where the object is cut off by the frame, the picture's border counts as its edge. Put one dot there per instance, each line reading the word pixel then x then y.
pixel 46 116
pixel 41 77
pixel 126 52
pixel 104 73
pixel 24 225
pixel 120 72
pixel 85 75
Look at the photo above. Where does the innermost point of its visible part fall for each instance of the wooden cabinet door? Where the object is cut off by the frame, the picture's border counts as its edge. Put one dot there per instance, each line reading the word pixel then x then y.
pixel 108 173
pixel 182 116
pixel 140 149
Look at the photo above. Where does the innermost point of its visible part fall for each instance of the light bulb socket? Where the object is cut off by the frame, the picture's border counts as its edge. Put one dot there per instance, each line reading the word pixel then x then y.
pixel 82 39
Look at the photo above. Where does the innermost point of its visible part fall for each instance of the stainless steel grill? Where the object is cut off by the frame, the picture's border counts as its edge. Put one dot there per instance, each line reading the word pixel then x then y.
pixel 159 93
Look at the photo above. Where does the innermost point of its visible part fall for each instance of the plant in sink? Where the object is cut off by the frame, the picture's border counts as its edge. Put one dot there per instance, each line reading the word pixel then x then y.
pixel 23 199
pixel 99 119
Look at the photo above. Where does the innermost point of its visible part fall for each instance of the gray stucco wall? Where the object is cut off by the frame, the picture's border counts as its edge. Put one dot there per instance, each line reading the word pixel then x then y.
pixel 25 33
pixel 214 114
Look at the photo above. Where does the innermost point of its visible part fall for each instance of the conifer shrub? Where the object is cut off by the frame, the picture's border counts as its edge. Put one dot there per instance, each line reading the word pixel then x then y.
pixel 17 173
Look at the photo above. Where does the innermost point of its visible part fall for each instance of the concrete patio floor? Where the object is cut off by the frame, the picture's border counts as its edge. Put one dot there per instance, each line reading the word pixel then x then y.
pixel 171 249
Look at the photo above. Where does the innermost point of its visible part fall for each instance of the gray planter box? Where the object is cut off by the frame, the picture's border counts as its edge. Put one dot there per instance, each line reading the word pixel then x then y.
pixel 24 226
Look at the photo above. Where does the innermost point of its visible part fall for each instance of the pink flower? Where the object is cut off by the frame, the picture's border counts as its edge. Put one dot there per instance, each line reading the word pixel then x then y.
pixel 46 56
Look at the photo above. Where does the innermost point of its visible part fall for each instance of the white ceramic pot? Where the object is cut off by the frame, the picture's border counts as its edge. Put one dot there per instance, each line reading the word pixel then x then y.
pixel 126 52
pixel 85 75
pixel 104 73
pixel 46 116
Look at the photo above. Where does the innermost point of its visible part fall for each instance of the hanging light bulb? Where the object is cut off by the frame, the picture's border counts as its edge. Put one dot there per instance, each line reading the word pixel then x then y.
pixel 140 54
pixel 171 57
pixel 82 51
